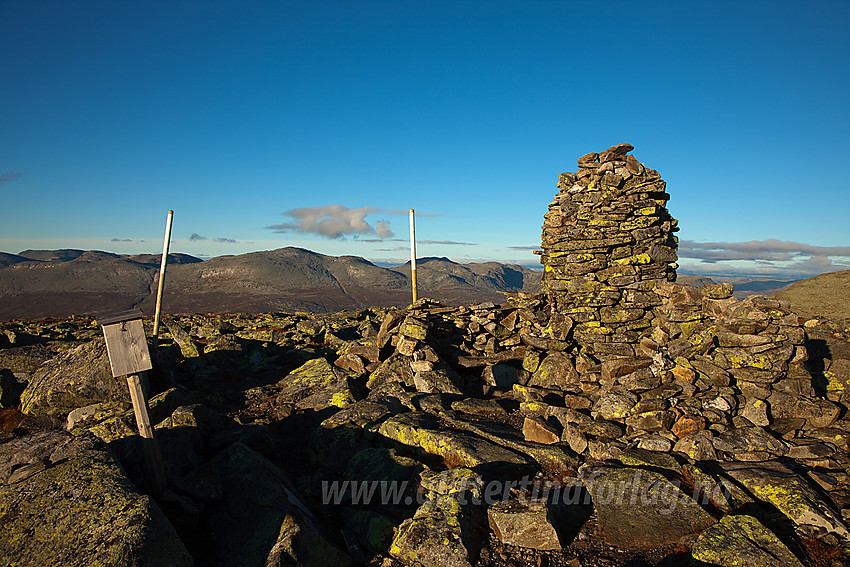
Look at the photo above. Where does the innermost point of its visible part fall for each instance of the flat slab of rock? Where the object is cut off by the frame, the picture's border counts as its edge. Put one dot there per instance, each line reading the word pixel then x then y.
pixel 417 429
pixel 536 429
pixel 750 444
pixel 774 483
pixel 73 379
pixel 556 457
pixel 65 501
pixel 742 541
pixel 524 524
pixel 641 509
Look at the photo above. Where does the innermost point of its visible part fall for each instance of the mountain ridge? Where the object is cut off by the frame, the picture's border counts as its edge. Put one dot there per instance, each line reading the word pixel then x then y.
pixel 59 283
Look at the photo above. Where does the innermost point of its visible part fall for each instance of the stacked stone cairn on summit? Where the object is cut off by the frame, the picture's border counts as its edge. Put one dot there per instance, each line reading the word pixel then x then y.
pixel 607 243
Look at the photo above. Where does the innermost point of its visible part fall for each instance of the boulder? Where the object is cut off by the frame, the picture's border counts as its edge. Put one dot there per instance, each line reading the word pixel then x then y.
pixel 343 434
pixel 750 444
pixel 778 485
pixel 446 529
pixel 537 430
pixel 65 501
pixel 422 432
pixel 315 376
pixel 641 509
pixel 73 379
pixel 742 541
pixel 524 524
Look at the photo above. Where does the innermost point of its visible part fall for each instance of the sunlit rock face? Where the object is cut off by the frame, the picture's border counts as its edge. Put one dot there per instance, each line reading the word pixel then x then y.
pixel 608 242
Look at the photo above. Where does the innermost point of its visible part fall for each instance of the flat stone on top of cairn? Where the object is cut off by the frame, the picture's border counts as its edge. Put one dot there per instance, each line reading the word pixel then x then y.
pixel 607 242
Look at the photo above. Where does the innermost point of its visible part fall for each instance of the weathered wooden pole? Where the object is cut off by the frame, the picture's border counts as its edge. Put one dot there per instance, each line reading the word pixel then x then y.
pixel 412 255
pixel 128 356
pixel 166 242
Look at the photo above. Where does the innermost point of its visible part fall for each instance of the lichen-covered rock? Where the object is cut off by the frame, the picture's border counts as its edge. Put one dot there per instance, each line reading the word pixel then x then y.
pixel 421 431
pixel 313 377
pixel 750 444
pixel 697 446
pixel 380 465
pixel 555 458
pixel 65 501
pixel 446 528
pixel 77 378
pixel 616 404
pixel 778 485
pixel 373 530
pixel 343 434
pixel 641 509
pixel 742 541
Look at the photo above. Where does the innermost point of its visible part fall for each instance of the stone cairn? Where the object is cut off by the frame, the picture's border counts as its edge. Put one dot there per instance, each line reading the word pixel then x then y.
pixel 607 242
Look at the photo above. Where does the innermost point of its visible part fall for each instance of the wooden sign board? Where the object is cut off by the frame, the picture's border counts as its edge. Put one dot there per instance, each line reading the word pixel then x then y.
pixel 128 355
pixel 126 343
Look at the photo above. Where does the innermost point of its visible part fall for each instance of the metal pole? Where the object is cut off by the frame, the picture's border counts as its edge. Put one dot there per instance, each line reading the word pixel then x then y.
pixel 413 255
pixel 161 285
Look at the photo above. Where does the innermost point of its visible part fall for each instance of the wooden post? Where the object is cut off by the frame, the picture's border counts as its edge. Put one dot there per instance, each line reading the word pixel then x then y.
pixel 128 353
pixel 161 284
pixel 412 256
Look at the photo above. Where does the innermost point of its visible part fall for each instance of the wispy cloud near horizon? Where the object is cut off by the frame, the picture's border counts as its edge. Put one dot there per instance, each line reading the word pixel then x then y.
pixel 196 237
pixel 446 242
pixel 763 257
pixel 9 177
pixel 337 221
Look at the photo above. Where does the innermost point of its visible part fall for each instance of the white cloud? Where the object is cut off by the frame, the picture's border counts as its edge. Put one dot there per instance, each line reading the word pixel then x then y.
pixel 336 221
pixel 764 257
pixel 383 228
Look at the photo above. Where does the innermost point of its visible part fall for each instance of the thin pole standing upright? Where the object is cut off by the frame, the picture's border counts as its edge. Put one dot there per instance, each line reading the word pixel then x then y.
pixel 413 255
pixel 161 285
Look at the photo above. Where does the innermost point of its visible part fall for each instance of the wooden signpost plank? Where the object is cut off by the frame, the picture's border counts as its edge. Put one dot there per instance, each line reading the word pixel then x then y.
pixel 126 343
pixel 128 356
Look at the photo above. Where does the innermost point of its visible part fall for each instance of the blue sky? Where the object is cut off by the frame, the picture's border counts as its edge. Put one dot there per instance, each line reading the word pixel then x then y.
pixel 265 124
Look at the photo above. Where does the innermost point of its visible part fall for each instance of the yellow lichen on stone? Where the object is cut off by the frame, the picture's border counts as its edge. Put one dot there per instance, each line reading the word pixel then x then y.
pixel 636 223
pixel 413 331
pixel 342 399
pixel 637 259
pixel 833 383
pixel 533 408
pixel 647 211
pixel 317 373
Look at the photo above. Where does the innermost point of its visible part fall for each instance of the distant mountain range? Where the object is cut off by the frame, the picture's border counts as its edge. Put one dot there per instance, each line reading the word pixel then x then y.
pixel 60 283
pixel 744 285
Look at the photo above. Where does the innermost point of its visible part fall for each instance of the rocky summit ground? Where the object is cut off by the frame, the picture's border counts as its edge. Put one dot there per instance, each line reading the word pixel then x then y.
pixel 434 435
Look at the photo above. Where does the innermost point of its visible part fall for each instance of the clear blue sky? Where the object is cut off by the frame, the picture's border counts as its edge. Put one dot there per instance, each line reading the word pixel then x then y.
pixel 329 120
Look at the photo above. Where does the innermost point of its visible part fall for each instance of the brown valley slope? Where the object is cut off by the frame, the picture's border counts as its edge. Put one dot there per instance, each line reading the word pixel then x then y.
pixel 60 283
pixel 826 295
